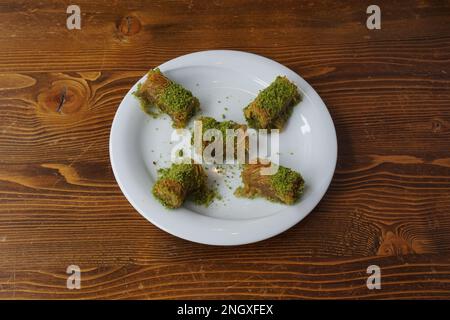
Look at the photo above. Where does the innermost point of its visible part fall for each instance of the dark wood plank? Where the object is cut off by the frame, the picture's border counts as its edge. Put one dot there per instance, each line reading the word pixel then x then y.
pixel 388 92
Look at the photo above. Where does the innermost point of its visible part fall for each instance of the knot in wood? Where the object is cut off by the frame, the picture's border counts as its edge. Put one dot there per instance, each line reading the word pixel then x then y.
pixel 129 26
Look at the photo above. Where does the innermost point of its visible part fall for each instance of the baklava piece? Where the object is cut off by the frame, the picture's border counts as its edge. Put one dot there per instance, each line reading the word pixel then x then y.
pixel 285 186
pixel 181 182
pixel 159 92
pixel 273 106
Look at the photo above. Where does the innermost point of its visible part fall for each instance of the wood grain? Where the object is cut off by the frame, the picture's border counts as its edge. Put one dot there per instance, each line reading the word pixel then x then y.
pixel 388 92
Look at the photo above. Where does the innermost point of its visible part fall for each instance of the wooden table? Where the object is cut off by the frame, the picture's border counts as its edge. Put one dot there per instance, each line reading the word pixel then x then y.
pixel 387 90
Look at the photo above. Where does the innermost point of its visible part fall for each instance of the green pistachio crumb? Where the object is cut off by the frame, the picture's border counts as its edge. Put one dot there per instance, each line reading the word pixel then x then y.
pixel 286 180
pixel 177 97
pixel 273 98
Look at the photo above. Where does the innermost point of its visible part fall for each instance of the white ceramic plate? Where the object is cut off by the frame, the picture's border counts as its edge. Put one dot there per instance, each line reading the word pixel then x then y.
pixel 225 82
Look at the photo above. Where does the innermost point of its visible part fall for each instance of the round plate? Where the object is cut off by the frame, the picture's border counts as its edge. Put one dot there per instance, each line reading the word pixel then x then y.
pixel 225 82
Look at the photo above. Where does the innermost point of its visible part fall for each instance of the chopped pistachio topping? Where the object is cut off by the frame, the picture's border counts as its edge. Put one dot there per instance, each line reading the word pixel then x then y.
pixel 205 196
pixel 286 180
pixel 193 180
pixel 273 98
pixel 176 98
pixel 182 173
pixel 211 123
